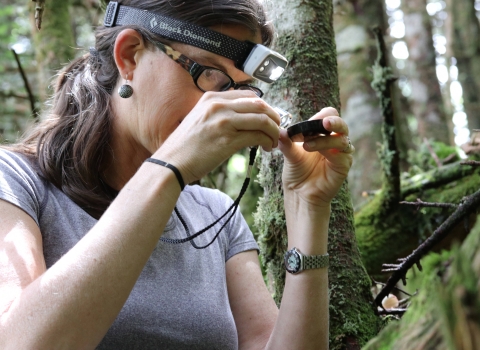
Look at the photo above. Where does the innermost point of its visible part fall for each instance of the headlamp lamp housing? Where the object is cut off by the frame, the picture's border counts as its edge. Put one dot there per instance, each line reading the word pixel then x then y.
pixel 264 64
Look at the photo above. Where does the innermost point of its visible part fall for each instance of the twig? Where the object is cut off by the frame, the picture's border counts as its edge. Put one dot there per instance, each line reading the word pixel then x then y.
pixel 7 94
pixel 471 162
pixel 449 158
pixel 391 312
pixel 31 98
pixel 420 203
pixel 39 8
pixel 432 153
pixel 396 288
pixel 470 204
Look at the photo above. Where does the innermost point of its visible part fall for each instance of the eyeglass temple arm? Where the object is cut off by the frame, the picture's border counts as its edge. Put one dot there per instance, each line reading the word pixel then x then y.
pixel 188 64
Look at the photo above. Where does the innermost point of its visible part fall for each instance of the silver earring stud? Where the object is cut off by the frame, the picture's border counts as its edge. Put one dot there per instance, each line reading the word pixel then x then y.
pixel 125 91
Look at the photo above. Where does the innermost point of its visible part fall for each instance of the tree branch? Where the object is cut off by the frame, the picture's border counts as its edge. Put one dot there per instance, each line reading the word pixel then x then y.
pixel 470 204
pixel 471 162
pixel 432 153
pixel 389 155
pixel 419 203
pixel 31 98
pixel 39 8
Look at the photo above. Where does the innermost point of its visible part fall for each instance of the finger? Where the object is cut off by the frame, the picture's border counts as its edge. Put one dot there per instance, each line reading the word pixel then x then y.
pixel 250 139
pixel 335 143
pixel 290 149
pixel 255 105
pixel 336 125
pixel 257 122
pixel 326 112
pixel 229 94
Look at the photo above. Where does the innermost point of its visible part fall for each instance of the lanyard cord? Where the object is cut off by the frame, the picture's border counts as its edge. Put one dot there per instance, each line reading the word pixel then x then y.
pixel 234 207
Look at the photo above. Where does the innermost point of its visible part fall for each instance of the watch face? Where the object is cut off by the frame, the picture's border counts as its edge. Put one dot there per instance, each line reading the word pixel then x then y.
pixel 292 261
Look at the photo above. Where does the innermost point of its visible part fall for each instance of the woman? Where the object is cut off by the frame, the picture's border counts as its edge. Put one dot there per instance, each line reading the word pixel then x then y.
pixel 82 214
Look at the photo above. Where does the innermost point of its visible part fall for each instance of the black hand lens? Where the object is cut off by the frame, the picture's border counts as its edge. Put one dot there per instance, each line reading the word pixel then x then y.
pixel 299 131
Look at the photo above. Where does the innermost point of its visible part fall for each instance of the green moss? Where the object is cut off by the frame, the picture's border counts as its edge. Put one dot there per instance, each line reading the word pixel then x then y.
pixel 446 312
pixel 385 238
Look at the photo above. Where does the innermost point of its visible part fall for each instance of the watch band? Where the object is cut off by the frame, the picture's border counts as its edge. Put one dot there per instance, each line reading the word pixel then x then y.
pixel 296 262
pixel 315 261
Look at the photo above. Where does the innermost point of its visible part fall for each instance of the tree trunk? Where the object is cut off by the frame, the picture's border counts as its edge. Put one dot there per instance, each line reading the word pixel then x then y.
pixel 306 37
pixel 465 47
pixel 426 100
pixel 356 52
pixel 54 43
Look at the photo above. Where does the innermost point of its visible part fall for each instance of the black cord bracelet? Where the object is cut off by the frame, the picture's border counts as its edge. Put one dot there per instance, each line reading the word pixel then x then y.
pixel 171 167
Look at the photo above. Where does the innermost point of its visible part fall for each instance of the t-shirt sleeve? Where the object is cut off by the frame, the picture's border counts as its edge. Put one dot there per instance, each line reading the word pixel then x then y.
pixel 20 185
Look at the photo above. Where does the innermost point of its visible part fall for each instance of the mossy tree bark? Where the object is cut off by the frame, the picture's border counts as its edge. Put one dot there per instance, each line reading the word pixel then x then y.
pixel 306 37
pixel 426 99
pixel 54 42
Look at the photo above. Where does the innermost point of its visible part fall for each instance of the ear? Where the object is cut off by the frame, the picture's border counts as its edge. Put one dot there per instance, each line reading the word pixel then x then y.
pixel 128 43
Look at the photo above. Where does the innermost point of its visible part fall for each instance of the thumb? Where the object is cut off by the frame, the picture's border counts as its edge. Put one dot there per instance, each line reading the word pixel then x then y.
pixel 290 150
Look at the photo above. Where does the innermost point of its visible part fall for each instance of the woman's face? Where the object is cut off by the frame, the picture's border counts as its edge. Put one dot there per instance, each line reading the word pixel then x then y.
pixel 164 92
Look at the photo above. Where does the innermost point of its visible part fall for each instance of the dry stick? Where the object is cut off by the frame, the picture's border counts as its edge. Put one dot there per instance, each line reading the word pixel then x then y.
pixel 7 94
pixel 39 8
pixel 471 162
pixel 420 203
pixel 391 312
pixel 470 204
pixel 432 153
pixel 31 98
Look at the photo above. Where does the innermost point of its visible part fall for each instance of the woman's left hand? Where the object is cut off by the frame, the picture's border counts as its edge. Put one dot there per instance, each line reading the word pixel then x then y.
pixel 316 170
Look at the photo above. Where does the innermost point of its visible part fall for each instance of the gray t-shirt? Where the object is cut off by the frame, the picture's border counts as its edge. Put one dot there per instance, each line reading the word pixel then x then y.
pixel 180 300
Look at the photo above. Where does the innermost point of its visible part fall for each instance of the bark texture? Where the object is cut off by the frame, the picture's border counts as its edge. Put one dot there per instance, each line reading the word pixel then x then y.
pixel 54 42
pixel 306 37
pixel 426 100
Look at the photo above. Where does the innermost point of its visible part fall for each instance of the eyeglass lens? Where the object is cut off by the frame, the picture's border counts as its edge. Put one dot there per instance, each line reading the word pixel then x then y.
pixel 215 80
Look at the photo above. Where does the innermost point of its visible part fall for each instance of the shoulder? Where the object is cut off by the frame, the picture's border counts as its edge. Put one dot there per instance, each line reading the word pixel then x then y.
pixel 206 196
pixel 19 167
pixel 15 160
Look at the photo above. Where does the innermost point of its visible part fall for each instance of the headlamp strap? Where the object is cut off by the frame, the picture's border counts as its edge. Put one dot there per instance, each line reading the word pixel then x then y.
pixel 173 29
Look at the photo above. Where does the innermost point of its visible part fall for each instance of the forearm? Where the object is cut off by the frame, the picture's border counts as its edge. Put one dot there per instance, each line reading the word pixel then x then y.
pixel 303 319
pixel 73 304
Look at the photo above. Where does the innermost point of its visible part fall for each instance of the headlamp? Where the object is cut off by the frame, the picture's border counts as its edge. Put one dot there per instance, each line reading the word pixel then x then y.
pixel 264 64
pixel 256 60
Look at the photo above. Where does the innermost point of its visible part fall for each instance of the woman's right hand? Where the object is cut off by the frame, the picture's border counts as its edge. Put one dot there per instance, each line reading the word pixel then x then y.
pixel 220 124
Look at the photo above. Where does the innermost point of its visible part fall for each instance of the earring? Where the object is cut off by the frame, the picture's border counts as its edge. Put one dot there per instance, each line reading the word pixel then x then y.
pixel 125 91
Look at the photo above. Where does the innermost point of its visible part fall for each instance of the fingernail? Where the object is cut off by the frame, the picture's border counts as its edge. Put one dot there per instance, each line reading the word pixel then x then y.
pixel 311 144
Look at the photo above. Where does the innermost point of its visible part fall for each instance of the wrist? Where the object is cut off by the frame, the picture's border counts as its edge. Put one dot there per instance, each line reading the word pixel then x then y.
pixel 307 225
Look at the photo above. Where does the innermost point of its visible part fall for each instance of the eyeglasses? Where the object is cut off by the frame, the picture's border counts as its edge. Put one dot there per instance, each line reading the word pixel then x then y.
pixel 206 78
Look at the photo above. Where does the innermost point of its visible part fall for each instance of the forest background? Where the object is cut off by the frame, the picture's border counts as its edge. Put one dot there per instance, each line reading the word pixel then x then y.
pixel 433 51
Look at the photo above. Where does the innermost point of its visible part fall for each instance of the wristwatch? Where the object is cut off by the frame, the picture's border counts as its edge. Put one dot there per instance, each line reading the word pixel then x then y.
pixel 296 262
